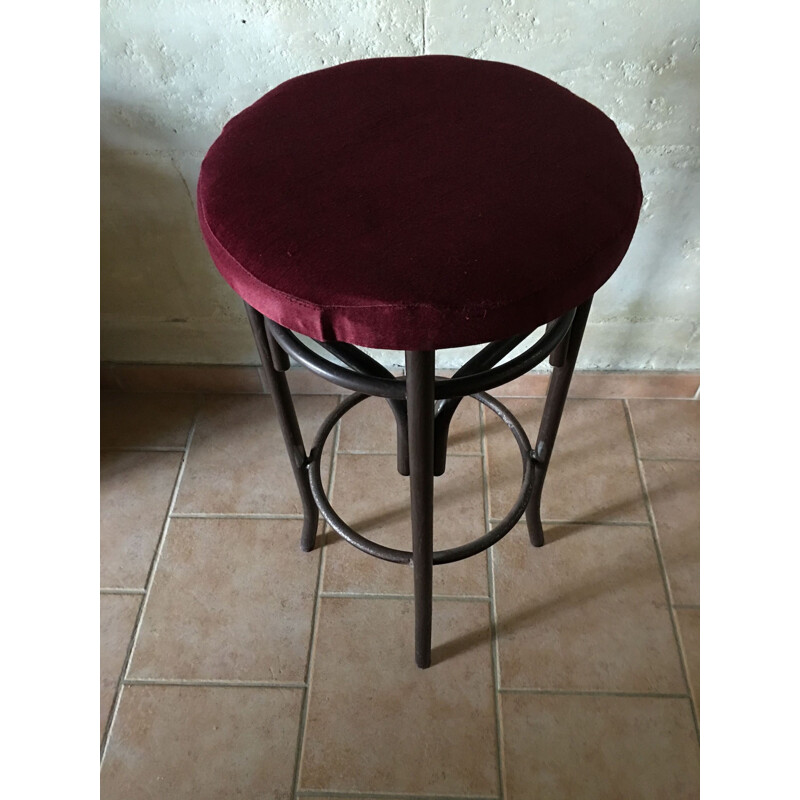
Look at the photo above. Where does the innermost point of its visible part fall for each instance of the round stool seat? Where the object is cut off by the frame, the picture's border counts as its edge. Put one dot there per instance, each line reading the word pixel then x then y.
pixel 418 203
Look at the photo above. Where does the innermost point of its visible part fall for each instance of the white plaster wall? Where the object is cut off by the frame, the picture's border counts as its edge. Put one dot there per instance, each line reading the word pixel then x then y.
pixel 173 71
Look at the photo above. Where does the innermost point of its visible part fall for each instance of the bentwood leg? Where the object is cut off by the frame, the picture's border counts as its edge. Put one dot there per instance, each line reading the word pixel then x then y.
pixel 564 358
pixel 275 363
pixel 419 389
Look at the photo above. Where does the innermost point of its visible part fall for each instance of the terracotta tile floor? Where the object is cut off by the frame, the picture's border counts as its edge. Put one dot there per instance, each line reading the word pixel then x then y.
pixel 234 665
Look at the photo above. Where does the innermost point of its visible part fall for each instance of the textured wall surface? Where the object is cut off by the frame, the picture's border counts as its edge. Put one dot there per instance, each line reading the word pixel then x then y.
pixel 173 71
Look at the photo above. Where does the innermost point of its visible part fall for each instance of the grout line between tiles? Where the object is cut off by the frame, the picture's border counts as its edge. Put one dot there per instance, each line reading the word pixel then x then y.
pixel 600 523
pixel 301 730
pixel 672 458
pixel 394 453
pixel 142 449
pixel 233 515
pixel 148 583
pixel 332 393
pixel 121 591
pixel 610 397
pixel 255 393
pixel 494 643
pixel 594 693
pixel 389 795
pixel 221 393
pixel 214 682
pixel 661 566
pixel 455 598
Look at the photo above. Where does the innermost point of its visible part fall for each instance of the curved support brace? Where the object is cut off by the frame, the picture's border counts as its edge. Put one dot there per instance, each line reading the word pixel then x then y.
pixel 366 365
pixel 280 358
pixel 446 388
pixel 486 358
pixel 559 356
pixel 282 398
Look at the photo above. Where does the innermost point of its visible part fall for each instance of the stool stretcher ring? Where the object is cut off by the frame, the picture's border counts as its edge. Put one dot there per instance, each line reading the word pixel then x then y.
pixel 405 556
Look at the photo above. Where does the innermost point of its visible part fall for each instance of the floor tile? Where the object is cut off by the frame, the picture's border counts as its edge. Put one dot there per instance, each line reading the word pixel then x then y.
pixel 531 384
pixel 232 599
pixel 203 743
pixel 117 618
pixel 237 461
pixel 373 499
pixel 599 748
pixel 586 611
pixel 689 627
pixel 304 381
pixel 145 420
pixel 634 384
pixel 376 723
pixel 597 384
pixel 592 475
pixel 135 492
pixel 674 490
pixel 666 428
pixel 370 427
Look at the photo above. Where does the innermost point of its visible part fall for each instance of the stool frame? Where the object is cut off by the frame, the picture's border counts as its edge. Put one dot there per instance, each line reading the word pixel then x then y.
pixel 423 406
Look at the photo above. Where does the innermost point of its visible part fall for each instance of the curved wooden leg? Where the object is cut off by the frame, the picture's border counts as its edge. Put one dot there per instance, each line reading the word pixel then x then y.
pixel 275 362
pixel 563 359
pixel 419 387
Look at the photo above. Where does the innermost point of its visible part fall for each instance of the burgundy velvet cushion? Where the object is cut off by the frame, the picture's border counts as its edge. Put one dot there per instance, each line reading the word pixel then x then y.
pixel 418 203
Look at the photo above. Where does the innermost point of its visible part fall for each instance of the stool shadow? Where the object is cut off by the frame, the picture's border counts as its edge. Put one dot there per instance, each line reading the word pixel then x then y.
pixel 609 513
pixel 471 435
pixel 557 532
pixel 371 525
pixel 122 426
pixel 526 617
pixel 463 644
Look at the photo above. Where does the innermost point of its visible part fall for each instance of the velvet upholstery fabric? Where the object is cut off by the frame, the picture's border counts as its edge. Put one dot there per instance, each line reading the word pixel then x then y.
pixel 418 203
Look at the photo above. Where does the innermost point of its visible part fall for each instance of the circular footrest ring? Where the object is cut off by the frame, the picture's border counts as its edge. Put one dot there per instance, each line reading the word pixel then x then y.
pixel 404 556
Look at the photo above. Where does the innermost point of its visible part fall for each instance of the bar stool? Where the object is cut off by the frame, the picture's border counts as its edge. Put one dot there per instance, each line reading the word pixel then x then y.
pixel 416 204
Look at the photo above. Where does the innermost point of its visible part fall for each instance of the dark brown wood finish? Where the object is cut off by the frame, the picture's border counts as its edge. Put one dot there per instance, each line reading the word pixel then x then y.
pixel 282 398
pixel 563 359
pixel 420 381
